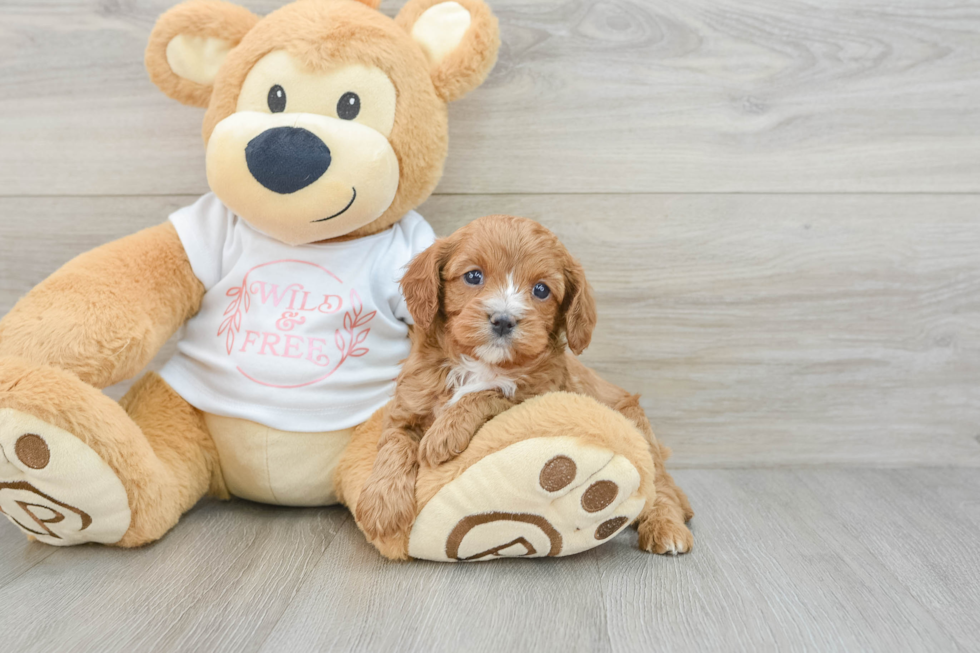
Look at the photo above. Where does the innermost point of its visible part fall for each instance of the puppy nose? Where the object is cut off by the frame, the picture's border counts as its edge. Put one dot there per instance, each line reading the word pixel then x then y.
pixel 287 159
pixel 502 323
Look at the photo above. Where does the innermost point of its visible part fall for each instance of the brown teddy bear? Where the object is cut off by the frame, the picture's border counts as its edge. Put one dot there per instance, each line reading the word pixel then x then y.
pixel 326 126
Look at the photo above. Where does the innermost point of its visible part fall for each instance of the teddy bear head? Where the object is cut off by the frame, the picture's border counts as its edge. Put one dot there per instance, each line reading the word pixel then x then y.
pixel 325 119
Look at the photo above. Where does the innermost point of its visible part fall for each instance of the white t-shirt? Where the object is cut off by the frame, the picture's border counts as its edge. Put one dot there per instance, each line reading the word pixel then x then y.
pixel 300 338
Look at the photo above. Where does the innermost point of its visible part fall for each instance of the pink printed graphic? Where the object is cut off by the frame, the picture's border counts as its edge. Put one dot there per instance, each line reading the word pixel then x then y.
pixel 233 322
pixel 348 340
pixel 280 321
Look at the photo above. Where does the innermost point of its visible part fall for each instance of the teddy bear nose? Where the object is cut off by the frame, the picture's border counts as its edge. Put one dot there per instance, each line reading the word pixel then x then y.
pixel 287 159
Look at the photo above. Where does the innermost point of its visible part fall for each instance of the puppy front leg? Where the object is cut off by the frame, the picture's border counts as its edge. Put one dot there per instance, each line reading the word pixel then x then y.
pixel 661 525
pixel 386 505
pixel 452 431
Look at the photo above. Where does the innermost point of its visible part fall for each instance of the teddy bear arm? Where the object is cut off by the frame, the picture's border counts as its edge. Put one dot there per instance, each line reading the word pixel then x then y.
pixel 106 313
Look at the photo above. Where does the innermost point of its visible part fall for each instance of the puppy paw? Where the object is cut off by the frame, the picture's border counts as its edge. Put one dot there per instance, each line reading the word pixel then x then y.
pixel 386 509
pixel 664 535
pixel 443 442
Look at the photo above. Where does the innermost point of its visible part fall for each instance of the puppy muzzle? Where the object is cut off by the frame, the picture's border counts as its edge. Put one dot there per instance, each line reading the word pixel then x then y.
pixel 502 325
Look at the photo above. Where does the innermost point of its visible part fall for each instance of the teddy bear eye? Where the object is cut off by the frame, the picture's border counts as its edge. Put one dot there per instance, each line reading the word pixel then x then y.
pixel 473 278
pixel 348 106
pixel 277 99
pixel 541 291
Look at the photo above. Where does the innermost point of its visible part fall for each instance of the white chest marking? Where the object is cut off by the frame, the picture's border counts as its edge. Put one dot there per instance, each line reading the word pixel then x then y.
pixel 472 375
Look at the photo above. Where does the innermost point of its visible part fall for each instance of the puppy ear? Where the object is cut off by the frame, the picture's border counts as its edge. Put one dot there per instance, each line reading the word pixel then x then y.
pixel 422 284
pixel 460 38
pixel 189 43
pixel 580 314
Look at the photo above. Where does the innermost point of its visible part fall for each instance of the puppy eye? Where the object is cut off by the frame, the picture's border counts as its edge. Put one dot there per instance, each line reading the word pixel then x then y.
pixel 473 278
pixel 541 291
pixel 348 106
pixel 277 99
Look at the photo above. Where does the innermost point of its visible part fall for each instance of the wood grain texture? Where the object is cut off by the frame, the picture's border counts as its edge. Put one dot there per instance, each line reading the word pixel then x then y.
pixel 781 329
pixel 17 558
pixel 789 560
pixel 796 560
pixel 219 581
pixel 760 329
pixel 430 606
pixel 588 95
pixel 930 523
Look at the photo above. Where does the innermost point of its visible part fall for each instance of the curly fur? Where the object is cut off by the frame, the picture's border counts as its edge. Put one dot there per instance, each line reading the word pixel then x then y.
pixel 513 255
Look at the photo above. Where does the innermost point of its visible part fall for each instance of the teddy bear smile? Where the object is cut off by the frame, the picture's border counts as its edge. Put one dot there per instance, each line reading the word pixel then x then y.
pixel 343 210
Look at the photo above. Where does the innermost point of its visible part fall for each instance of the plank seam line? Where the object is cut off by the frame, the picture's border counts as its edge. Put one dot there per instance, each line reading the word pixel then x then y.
pixel 602 597
pixel 24 571
pixel 952 193
pixel 299 586
pixel 841 466
pixel 907 587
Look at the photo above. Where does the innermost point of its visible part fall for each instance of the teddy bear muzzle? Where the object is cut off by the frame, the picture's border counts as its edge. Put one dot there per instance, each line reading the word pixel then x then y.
pixel 301 177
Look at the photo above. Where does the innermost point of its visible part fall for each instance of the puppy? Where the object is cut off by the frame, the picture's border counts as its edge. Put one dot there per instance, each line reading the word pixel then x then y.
pixel 496 305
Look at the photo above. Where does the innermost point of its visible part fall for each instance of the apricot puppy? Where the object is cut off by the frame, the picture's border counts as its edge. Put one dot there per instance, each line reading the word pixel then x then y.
pixel 496 307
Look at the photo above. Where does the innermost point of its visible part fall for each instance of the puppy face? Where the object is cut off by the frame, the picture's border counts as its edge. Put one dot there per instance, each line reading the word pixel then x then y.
pixel 503 289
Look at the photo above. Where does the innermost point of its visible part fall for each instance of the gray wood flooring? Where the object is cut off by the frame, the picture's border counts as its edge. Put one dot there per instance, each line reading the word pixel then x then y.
pixel 787 560
pixel 778 202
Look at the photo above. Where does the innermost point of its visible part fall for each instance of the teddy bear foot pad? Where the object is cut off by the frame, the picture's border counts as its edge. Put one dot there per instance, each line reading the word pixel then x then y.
pixel 54 487
pixel 548 496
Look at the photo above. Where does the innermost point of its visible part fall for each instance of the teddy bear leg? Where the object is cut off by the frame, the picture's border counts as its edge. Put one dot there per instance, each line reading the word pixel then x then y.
pixel 556 475
pixel 76 467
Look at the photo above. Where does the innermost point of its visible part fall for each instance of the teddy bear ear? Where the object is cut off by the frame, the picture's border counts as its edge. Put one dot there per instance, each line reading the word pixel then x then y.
pixel 460 38
pixel 189 43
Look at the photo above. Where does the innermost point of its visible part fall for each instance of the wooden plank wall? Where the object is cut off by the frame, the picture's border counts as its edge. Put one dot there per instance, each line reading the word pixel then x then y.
pixel 776 200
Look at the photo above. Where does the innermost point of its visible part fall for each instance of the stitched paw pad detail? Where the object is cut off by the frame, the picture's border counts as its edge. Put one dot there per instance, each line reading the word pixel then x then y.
pixel 54 487
pixel 541 497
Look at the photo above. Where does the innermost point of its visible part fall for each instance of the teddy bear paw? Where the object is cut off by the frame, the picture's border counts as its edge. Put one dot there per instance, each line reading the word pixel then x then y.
pixel 54 487
pixel 549 496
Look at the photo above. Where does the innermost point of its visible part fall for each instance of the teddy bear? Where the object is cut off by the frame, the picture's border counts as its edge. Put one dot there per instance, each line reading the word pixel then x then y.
pixel 326 126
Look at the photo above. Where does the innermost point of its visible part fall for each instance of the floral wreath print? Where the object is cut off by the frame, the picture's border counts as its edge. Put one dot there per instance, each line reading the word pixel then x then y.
pixel 348 341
